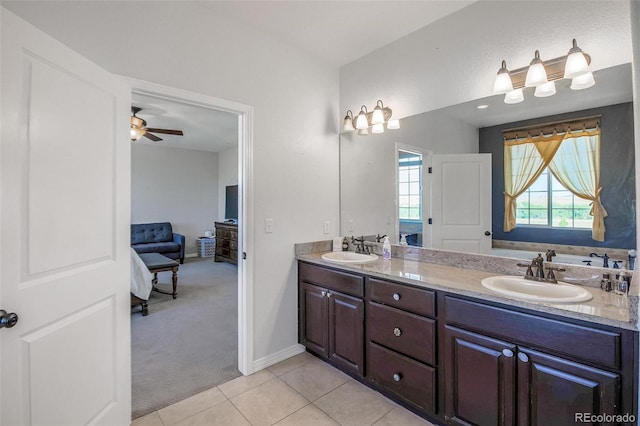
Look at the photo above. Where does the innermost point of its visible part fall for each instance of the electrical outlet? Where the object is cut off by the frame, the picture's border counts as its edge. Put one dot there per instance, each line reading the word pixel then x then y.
pixel 327 224
pixel 268 226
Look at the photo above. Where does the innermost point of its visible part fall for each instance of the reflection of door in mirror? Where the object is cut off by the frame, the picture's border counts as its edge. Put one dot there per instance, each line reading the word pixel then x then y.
pixel 410 196
pixel 461 202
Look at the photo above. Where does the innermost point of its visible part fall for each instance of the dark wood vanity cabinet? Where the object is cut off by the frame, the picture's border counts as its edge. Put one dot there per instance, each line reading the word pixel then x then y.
pixel 462 360
pixel 490 380
pixel 402 342
pixel 331 316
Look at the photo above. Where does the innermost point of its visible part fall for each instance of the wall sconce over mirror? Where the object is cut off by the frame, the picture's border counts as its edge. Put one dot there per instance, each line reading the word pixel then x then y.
pixel 367 121
pixel 543 74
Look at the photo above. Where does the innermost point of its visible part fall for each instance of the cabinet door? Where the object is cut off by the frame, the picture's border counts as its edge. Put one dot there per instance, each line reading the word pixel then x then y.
pixel 346 331
pixel 553 390
pixel 479 379
pixel 314 321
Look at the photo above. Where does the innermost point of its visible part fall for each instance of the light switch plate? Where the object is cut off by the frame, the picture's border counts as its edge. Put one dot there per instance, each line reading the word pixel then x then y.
pixel 268 226
pixel 327 226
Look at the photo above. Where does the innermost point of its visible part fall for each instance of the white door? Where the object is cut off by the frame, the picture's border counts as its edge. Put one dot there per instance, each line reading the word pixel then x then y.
pixel 461 202
pixel 64 256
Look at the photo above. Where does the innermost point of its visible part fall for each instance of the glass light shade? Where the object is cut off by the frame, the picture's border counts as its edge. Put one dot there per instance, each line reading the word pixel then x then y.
pixel 546 89
pixel 363 132
pixel 361 121
pixel 583 81
pixel 377 117
pixel 536 75
pixel 347 126
pixel 393 124
pixel 135 133
pixel 503 83
pixel 514 97
pixel 576 65
pixel 377 128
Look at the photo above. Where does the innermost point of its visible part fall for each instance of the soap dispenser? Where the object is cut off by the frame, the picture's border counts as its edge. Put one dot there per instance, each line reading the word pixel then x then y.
pixel 386 249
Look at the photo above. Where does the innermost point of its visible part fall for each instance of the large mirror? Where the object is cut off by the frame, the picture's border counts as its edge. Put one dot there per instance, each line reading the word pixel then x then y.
pixel 369 165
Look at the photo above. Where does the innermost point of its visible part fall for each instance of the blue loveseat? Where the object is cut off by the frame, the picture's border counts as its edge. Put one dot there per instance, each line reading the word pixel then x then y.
pixel 157 238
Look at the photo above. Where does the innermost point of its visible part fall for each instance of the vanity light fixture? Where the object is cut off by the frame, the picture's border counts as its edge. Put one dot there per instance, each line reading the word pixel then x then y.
pixel 542 75
pixel 374 121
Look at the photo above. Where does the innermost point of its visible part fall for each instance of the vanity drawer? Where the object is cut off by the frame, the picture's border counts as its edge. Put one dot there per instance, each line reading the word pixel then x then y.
pixel 409 379
pixel 407 333
pixel 586 343
pixel 408 298
pixel 340 281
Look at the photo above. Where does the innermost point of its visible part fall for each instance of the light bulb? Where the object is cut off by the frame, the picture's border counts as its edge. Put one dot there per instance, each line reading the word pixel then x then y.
pixel 536 74
pixel 576 63
pixel 514 97
pixel 503 83
pixel 546 89
pixel 361 120
pixel 377 117
pixel 583 81
pixel 347 126
pixel 393 124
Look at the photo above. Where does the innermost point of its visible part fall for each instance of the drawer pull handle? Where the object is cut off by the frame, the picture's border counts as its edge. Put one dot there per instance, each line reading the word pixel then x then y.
pixel 523 357
pixel 507 352
pixel 397 377
pixel 396 296
pixel 397 332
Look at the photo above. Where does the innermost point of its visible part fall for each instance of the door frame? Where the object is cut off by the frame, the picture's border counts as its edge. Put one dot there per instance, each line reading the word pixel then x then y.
pixel 245 206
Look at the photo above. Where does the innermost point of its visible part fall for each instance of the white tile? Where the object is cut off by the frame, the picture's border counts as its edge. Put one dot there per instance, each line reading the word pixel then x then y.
pixel 314 380
pixel 308 416
pixel 242 384
pixel 190 406
pixel 223 414
pixel 292 363
pixel 151 419
pixel 354 404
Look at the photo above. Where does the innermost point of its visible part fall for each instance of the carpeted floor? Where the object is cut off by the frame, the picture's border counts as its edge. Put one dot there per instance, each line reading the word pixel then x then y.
pixel 187 345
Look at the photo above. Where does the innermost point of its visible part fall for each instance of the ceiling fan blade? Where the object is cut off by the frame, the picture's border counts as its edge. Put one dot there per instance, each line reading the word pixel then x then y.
pixel 166 131
pixel 153 137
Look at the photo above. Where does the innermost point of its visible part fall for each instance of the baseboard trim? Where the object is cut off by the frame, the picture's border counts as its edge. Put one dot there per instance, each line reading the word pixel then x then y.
pixel 191 255
pixel 269 360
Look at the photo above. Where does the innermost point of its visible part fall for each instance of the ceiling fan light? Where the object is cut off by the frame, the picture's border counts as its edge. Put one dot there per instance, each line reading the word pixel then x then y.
pixel 583 81
pixel 546 89
pixel 377 128
pixel 377 117
pixel 393 124
pixel 135 133
pixel 576 63
pixel 536 74
pixel 503 83
pixel 514 97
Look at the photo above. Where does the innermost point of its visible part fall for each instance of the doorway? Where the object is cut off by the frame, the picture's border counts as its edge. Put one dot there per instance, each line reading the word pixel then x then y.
pixel 243 116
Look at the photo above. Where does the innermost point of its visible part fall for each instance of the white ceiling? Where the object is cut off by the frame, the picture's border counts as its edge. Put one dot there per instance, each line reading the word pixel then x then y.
pixel 336 32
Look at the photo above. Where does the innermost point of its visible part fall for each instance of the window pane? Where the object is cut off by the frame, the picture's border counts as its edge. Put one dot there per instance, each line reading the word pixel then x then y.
pixel 539 200
pixel 562 199
pixel 562 218
pixel 403 201
pixel 414 201
pixel 414 174
pixel 414 187
pixel 403 188
pixel 403 175
pixel 540 184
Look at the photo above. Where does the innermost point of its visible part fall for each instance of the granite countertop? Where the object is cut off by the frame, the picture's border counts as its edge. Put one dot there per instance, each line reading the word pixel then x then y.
pixel 605 308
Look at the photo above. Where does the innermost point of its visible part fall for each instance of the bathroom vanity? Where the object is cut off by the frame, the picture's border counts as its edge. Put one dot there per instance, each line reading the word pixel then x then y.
pixel 432 338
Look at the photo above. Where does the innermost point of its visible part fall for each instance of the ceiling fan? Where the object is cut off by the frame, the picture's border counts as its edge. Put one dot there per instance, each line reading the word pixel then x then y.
pixel 139 128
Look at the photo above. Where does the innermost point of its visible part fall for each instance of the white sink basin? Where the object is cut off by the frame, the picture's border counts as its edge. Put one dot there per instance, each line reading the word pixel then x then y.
pixel 534 291
pixel 348 257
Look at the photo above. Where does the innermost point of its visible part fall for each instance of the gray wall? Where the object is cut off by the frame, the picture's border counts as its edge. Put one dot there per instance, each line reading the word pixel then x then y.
pixel 175 185
pixel 617 178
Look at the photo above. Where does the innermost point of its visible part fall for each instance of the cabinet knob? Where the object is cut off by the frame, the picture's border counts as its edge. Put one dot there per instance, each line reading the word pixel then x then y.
pixel 328 294
pixel 323 293
pixel 397 332
pixel 523 357
pixel 396 296
pixel 507 352
pixel 397 377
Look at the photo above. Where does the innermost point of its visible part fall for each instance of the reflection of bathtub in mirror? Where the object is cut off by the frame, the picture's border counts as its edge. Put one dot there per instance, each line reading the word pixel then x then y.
pixel 574 255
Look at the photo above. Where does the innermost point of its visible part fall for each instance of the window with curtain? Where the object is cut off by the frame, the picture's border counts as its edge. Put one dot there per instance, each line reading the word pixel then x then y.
pixel 553 180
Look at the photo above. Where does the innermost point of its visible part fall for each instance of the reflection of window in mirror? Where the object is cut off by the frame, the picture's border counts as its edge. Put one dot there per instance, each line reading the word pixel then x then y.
pixel 548 203
pixel 410 196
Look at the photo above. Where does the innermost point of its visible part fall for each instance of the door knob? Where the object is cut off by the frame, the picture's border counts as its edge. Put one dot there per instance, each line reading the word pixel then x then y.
pixel 487 233
pixel 7 320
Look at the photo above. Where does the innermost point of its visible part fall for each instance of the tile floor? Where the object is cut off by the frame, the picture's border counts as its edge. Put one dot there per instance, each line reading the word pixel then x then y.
pixel 299 391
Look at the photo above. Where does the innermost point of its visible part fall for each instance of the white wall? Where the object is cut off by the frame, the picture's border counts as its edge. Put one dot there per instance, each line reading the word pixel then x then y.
pixel 455 60
pixel 295 99
pixel 227 175
pixel 175 185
